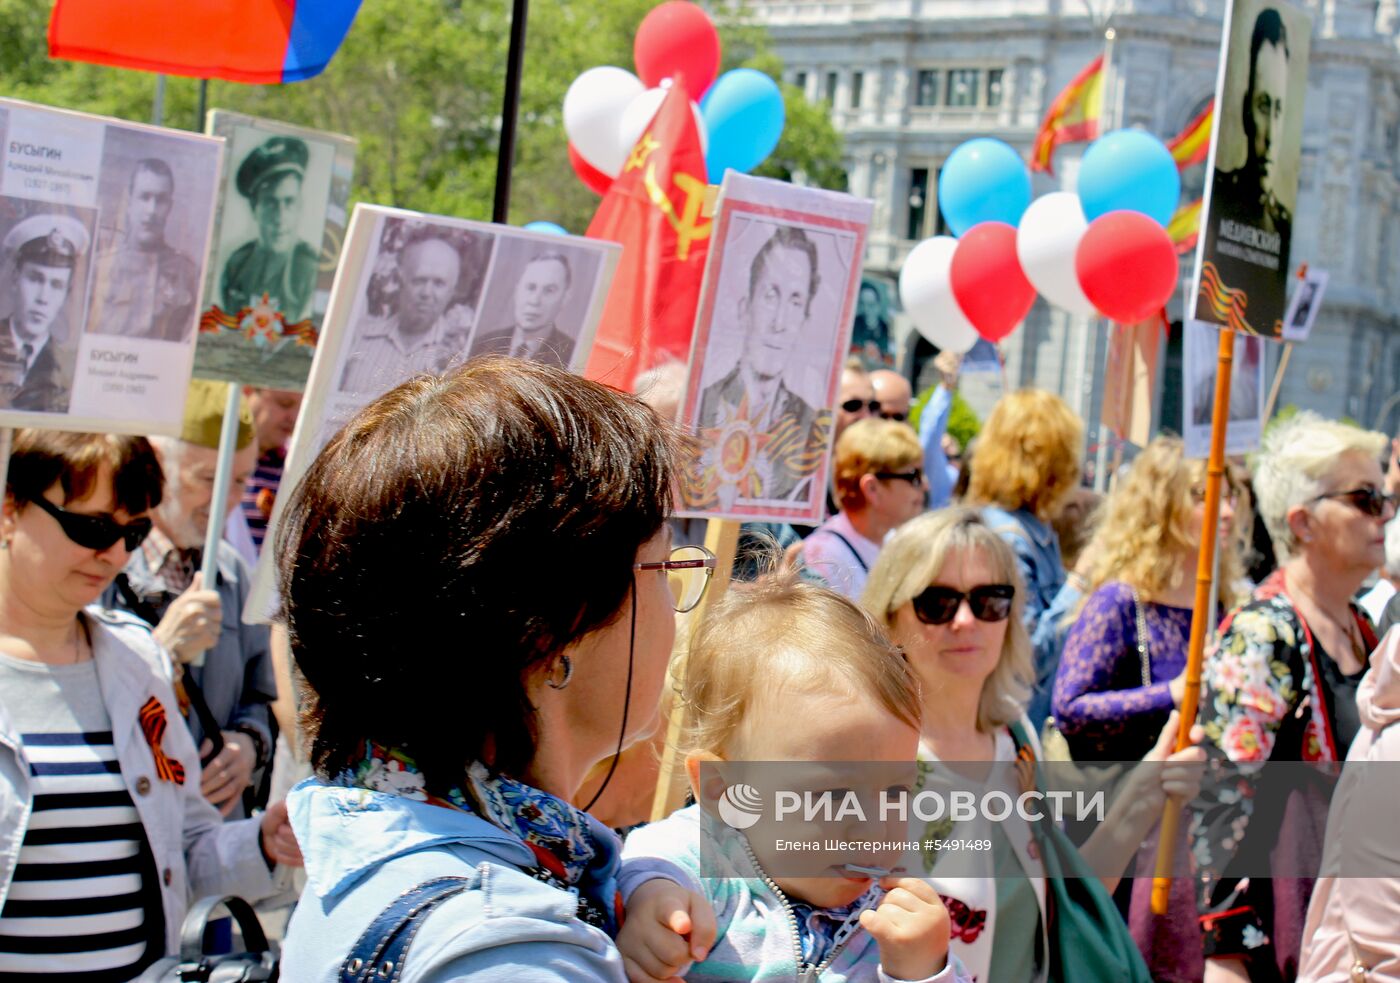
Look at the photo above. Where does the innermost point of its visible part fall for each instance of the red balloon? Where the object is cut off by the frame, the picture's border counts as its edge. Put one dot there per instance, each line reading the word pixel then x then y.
pixel 677 38
pixel 988 281
pixel 1127 266
pixel 593 179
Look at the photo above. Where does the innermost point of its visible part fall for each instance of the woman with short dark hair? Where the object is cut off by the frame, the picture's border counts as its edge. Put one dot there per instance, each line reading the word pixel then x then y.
pixel 104 835
pixel 472 575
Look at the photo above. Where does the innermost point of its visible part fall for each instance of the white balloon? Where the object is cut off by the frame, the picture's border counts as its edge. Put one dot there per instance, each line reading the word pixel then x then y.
pixel 592 106
pixel 926 291
pixel 638 116
pixel 1046 242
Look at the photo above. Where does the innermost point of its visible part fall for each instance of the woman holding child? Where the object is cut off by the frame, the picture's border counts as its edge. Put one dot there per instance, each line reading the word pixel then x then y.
pixel 475 579
pixel 947 587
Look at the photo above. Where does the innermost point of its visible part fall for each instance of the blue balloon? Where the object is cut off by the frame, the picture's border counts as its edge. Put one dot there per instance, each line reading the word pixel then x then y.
pixel 1129 170
pixel 983 180
pixel 550 227
pixel 744 116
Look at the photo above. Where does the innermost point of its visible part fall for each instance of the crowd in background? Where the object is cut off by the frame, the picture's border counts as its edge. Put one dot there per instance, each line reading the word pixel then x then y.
pixel 493 704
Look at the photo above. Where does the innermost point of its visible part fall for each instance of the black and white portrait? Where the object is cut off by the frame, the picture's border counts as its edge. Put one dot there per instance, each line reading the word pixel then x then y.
pixel 774 328
pixel 537 302
pixel 418 305
pixel 44 264
pixel 1254 187
pixel 156 198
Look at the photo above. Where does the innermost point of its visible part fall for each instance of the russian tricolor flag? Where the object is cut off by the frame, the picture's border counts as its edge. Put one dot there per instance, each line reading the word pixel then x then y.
pixel 257 41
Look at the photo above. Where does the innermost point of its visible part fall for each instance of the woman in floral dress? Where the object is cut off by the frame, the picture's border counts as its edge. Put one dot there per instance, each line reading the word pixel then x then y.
pixel 1281 686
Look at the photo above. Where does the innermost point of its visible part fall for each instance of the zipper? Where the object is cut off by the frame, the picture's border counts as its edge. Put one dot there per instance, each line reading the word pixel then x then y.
pixel 806 973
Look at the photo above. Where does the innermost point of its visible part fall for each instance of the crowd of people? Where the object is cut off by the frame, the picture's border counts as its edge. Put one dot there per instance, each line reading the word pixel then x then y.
pixel 479 579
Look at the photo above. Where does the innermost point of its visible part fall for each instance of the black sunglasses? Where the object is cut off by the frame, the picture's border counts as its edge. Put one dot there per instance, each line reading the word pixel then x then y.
pixel 894 415
pixel 1371 501
pixel 96 532
pixel 939 605
pixel 855 405
pixel 915 477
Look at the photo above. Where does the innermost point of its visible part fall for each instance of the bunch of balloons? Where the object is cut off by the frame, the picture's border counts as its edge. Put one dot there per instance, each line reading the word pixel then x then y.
pixel 739 115
pixel 1103 250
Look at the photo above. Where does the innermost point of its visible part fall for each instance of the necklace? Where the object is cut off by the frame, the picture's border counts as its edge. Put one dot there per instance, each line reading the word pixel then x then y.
pixel 1347 625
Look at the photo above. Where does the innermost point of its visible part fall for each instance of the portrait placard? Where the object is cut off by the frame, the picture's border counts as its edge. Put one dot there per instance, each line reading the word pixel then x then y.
pixel 1304 305
pixel 104 234
pixel 418 294
pixel 1200 347
pixel 280 223
pixel 1241 276
pixel 772 332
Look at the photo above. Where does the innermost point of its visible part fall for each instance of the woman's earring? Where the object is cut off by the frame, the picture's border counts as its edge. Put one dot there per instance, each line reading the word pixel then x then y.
pixel 568 665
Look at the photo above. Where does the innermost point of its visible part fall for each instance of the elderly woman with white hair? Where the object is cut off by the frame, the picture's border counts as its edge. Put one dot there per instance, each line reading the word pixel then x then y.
pixel 1281 686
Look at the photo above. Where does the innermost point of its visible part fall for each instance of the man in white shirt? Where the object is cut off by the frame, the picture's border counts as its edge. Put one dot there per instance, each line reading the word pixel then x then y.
pixel 880 485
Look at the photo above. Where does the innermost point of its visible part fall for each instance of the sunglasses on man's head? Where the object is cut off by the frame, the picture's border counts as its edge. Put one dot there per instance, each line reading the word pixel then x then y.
pixel 939 605
pixel 855 405
pixel 1372 501
pixel 96 532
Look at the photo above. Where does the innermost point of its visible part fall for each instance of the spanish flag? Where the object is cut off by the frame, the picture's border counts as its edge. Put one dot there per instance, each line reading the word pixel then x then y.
pixel 1192 145
pixel 1185 226
pixel 1072 118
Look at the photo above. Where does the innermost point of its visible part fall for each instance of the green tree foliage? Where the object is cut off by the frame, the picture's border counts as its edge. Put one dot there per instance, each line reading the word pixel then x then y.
pixel 963 422
pixel 419 84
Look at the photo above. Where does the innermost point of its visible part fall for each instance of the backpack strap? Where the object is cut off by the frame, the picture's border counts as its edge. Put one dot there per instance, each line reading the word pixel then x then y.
pixel 379 954
pixel 850 547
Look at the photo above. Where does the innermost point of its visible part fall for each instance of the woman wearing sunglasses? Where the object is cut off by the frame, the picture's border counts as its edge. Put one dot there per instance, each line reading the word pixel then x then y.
pixel 104 836
pixel 480 590
pixel 1282 683
pixel 947 587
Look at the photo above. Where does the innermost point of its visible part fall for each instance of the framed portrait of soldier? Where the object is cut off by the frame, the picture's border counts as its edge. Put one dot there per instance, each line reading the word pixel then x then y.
pixel 414 294
pixel 1242 264
pixel 280 225
pixel 1200 347
pixel 104 232
pixel 1304 305
pixel 772 332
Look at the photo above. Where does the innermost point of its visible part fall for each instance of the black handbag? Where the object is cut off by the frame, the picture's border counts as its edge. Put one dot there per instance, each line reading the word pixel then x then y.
pixel 193 965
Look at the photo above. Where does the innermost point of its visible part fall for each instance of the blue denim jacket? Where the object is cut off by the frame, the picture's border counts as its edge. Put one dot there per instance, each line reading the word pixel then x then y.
pixel 1048 597
pixel 363 849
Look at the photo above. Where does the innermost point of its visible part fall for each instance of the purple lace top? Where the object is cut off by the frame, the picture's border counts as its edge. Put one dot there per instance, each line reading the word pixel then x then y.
pixel 1099 698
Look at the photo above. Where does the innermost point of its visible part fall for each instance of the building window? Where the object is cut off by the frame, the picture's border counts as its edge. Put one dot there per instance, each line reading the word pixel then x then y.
pixel 962 86
pixel 918 202
pixel 799 79
pixel 940 225
pixel 830 93
pixel 857 83
pixel 926 87
pixel 994 77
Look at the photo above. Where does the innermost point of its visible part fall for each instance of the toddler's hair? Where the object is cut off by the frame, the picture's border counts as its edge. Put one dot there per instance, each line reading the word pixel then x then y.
pixel 778 633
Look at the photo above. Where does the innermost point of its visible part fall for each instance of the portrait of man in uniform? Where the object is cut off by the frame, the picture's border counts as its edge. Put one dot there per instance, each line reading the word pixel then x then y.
pixel 278 263
pixel 41 254
pixel 773 314
pixel 425 332
pixel 146 288
pixel 538 297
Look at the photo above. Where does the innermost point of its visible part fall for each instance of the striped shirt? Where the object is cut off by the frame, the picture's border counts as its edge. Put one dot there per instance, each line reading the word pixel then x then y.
pixel 84 903
pixel 261 492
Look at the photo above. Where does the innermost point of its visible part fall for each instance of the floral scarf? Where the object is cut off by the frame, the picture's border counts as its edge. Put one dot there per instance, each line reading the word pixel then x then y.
pixel 567 855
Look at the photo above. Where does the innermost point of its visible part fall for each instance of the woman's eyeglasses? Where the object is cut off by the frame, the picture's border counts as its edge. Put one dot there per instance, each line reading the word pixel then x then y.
pixel 1371 501
pixel 96 532
pixel 856 405
pixel 915 477
pixel 939 605
pixel 688 573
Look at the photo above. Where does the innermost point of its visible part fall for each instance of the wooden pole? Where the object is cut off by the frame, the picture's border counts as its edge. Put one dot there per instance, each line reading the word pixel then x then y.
pixel 1278 382
pixel 1203 615
pixel 721 539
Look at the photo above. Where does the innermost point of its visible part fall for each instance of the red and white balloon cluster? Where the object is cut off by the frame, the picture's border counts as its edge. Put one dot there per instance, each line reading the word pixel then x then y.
pixel 1103 250
pixel 739 115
